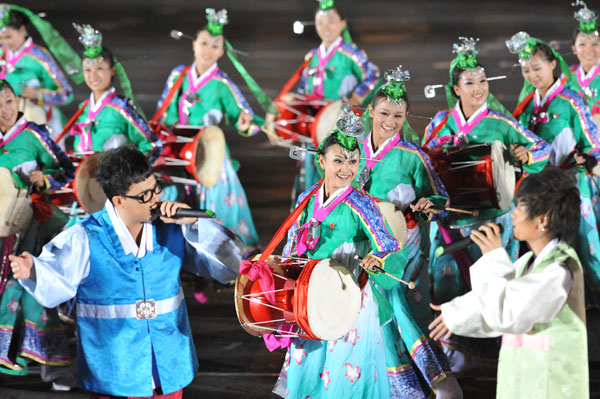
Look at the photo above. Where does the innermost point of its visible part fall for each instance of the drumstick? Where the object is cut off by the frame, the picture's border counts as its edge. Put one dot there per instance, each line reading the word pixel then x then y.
pixel 456 210
pixel 411 284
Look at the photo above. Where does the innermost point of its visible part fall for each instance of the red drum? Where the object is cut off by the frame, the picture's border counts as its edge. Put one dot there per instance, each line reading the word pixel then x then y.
pixel 477 176
pixel 301 120
pixel 320 298
pixel 201 153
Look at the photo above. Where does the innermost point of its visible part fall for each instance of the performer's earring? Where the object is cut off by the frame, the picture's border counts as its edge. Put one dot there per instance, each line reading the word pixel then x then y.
pixel 543 228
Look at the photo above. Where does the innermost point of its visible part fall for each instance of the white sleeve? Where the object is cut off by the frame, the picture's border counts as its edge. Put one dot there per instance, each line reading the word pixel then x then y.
pixel 63 264
pixel 401 195
pixel 211 251
pixel 501 303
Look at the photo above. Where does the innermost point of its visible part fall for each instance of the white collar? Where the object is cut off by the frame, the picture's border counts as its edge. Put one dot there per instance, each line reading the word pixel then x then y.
pixel 549 247
pixel 381 147
pixel 20 49
pixel 463 121
pixel 94 105
pixel 14 127
pixel 551 89
pixel 591 72
pixel 325 51
pixel 321 196
pixel 197 79
pixel 127 242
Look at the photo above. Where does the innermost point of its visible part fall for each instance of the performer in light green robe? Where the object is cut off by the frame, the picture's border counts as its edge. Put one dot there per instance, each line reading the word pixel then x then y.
pixel 536 303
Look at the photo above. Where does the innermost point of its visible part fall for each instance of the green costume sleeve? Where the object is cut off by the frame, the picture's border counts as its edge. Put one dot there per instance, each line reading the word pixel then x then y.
pixel 232 108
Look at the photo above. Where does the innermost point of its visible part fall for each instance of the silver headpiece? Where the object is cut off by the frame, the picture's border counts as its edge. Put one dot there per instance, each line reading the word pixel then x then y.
pixel 350 123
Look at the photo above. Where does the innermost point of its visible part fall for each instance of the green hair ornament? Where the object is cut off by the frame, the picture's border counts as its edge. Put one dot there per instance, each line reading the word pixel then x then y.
pixel 586 17
pixel 91 40
pixel 395 87
pixel 216 21
pixel 348 128
pixel 326 5
pixel 524 45
pixel 68 58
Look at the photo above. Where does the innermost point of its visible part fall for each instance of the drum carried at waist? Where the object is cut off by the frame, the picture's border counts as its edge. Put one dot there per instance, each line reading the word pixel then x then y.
pixel 315 299
pixel 302 120
pixel 477 176
pixel 15 205
pixel 196 153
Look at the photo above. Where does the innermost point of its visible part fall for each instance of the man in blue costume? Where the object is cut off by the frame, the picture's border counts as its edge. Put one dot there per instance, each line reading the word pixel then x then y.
pixel 123 269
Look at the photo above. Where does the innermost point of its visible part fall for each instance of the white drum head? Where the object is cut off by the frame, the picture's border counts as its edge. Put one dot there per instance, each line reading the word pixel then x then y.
pixel 395 219
pixel 504 176
pixel 333 300
pixel 326 119
pixel 15 206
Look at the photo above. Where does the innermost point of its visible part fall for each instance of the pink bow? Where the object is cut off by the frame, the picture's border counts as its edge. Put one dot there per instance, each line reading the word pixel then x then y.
pixel 273 342
pixel 262 271
pixel 451 140
pixel 304 242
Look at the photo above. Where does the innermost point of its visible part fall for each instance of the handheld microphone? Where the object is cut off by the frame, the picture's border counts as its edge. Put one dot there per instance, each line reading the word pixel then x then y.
pixel 186 213
pixel 458 245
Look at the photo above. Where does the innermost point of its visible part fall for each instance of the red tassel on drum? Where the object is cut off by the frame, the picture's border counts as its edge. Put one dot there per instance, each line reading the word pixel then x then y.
pixel 42 209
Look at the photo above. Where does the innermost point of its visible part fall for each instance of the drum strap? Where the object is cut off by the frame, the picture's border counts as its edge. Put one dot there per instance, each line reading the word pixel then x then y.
pixel 71 122
pixel 521 107
pixel 437 129
pixel 282 231
pixel 159 113
pixel 295 77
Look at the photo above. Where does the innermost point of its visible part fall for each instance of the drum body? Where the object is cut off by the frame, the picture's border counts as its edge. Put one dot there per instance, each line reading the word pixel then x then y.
pixel 476 176
pixel 200 153
pixel 320 297
pixel 15 205
pixel 312 120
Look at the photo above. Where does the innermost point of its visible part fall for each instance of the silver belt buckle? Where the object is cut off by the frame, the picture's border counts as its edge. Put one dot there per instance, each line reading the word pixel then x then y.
pixel 145 309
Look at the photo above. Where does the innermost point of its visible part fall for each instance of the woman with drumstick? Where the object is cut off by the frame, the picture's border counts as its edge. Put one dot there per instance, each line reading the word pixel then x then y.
pixel 38 165
pixel 413 187
pixel 474 116
pixel 336 70
pixel 536 303
pixel 340 222
pixel 106 120
pixel 33 71
pixel 562 118
pixel 202 95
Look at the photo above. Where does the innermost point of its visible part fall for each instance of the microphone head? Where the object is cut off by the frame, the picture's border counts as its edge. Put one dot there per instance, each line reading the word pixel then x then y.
pixel 439 251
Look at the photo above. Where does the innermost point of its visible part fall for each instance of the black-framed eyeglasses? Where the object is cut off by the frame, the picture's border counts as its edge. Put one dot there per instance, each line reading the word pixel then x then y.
pixel 147 195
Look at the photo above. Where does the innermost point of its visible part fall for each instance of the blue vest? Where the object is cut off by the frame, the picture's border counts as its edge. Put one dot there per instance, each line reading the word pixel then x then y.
pixel 114 354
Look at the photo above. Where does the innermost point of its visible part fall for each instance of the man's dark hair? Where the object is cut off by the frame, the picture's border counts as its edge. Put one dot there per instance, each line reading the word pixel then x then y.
pixel 118 169
pixel 555 193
